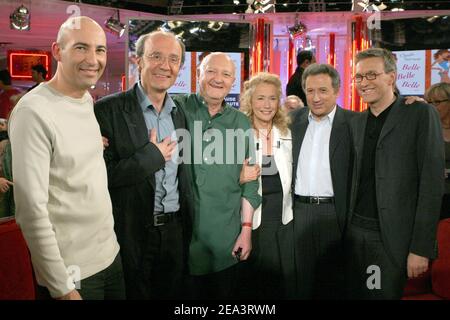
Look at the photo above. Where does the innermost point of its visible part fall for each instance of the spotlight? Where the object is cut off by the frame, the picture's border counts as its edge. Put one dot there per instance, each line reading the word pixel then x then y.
pixel 397 7
pixel 432 19
pixel 382 6
pixel 114 25
pixel 264 6
pixel 194 30
pixel 309 44
pixel 369 6
pixel 215 25
pixel 297 30
pixel 249 8
pixel 20 19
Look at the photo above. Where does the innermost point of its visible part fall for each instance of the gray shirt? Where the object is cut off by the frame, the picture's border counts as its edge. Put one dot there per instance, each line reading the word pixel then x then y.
pixel 166 191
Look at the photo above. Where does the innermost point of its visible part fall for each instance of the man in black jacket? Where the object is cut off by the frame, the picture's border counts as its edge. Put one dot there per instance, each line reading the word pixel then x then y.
pixel 397 184
pixel 322 153
pixel 149 189
pixel 295 86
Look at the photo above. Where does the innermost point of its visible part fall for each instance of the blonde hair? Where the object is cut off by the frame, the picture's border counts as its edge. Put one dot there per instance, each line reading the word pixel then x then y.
pixel 280 120
pixel 437 89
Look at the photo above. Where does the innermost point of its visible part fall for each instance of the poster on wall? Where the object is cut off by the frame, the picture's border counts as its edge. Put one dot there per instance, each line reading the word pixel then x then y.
pixel 411 72
pixel 440 63
pixel 183 82
pixel 417 70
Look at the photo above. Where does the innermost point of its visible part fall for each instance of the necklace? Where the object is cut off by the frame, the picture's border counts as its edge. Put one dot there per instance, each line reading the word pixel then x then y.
pixel 268 134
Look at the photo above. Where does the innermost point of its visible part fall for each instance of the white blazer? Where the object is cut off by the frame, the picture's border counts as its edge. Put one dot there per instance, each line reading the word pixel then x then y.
pixel 283 160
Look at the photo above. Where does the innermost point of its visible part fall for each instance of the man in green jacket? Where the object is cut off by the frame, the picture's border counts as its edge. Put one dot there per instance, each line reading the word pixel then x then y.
pixel 223 209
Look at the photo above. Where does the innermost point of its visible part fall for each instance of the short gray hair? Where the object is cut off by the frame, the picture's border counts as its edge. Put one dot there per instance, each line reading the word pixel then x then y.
pixel 316 69
pixel 390 64
pixel 140 43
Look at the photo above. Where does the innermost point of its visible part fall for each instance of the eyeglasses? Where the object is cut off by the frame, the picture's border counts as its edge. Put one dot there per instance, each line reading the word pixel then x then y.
pixel 438 102
pixel 158 58
pixel 369 76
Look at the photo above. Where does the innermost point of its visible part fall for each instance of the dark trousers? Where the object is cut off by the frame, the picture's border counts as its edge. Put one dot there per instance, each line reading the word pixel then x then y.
pixel 107 284
pixel 445 206
pixel 269 272
pixel 162 268
pixel 318 252
pixel 220 285
pixel 365 255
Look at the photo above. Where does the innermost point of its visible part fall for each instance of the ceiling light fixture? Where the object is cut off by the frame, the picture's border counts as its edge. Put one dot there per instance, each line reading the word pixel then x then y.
pixel 249 8
pixel 20 19
pixel 397 7
pixel 114 25
pixel 432 19
pixel 369 6
pixel 298 29
pixel 215 25
pixel 262 6
pixel 309 44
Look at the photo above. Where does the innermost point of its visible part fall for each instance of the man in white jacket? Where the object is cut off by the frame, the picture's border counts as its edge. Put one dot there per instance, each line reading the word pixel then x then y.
pixel 60 184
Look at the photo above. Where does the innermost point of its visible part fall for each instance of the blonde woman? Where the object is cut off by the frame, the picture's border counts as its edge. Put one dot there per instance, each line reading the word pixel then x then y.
pixel 271 260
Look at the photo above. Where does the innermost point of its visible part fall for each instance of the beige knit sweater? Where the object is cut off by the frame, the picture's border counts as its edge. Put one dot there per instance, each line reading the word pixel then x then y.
pixel 60 187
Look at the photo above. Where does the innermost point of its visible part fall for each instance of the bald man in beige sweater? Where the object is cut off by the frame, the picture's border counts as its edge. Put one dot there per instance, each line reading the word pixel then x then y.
pixel 60 184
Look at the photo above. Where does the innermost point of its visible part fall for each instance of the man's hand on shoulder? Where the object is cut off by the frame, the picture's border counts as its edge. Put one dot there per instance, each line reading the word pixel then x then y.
pixel 412 99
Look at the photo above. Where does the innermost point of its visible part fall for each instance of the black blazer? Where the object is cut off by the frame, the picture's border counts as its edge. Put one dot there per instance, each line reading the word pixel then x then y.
pixel 340 152
pixel 409 173
pixel 131 162
pixel 294 86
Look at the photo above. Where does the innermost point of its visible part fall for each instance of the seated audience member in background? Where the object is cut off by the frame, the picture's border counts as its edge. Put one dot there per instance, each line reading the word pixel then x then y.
pixel 38 74
pixel 3 129
pixel 292 103
pixel 7 93
pixel 6 184
pixel 272 237
pixel 60 181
